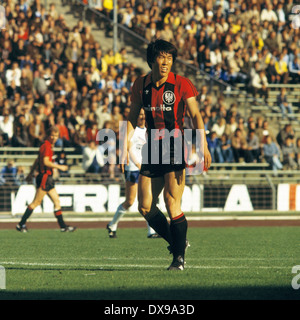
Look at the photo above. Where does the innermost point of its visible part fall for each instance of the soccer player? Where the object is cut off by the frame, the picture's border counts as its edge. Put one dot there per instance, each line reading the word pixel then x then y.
pixel 165 97
pixel 131 177
pixel 45 183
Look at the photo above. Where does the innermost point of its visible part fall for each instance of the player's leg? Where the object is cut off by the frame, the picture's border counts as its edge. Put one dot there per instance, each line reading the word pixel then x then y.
pixel 173 191
pixel 148 191
pixel 39 195
pixel 130 196
pixel 58 212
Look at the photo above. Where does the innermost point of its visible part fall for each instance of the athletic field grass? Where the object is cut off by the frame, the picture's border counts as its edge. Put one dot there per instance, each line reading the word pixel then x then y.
pixel 222 263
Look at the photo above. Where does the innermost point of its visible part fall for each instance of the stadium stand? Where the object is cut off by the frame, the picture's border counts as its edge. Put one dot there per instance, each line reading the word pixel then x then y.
pixel 51 73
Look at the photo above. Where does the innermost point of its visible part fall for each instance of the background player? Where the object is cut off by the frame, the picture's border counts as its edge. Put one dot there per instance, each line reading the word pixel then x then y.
pixel 131 177
pixel 45 183
pixel 165 98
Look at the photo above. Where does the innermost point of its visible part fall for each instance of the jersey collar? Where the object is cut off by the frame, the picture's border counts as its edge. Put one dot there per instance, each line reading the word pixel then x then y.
pixel 171 79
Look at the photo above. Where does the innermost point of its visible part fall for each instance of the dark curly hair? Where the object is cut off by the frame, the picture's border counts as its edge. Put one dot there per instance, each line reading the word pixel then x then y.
pixel 158 46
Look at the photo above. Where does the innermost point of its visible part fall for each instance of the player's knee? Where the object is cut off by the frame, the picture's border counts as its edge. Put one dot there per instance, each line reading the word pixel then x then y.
pixel 35 204
pixel 143 209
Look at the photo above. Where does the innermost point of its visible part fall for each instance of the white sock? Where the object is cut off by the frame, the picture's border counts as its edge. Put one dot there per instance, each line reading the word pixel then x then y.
pixel 117 217
pixel 150 230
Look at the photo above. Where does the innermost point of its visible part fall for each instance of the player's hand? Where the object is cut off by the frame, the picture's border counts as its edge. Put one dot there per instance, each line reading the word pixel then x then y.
pixel 124 159
pixel 207 158
pixel 63 167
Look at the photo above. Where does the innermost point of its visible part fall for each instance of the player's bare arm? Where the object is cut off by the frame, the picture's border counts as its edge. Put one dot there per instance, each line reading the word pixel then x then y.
pixel 131 125
pixel 52 165
pixel 193 110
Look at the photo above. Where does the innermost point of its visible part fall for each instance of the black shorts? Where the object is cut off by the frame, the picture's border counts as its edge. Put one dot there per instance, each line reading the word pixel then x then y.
pixel 45 181
pixel 156 170
pixel 161 158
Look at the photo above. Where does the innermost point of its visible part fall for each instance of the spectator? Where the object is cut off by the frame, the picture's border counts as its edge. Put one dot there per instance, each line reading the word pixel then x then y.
pixel 91 132
pixel 87 37
pixel 286 131
pixel 20 137
pixel 253 146
pixel 259 85
pixel 289 152
pixel 271 154
pixel 103 113
pixel 231 126
pixel 64 138
pixel 272 42
pixel 73 52
pixel 294 70
pixel 268 14
pixel 284 105
pixel 40 87
pixel 271 72
pixel 240 147
pixel 282 69
pixel 99 62
pixel 264 131
pixel 80 139
pixel 127 14
pixel 150 32
pixel 8 174
pixel 116 118
pixel 26 83
pixel 92 159
pixel 167 33
pixel 226 148
pixel 219 127
pixel 36 131
pixel 57 53
pixel 14 73
pixel 75 36
pixel 118 84
pixel 6 128
pixel 214 146
pixel 12 90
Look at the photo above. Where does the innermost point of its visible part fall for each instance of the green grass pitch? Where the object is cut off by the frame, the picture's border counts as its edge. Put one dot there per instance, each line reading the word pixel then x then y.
pixel 222 263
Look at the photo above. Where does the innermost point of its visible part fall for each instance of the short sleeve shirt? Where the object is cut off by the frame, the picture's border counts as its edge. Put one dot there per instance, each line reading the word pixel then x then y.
pixel 164 106
pixel 45 151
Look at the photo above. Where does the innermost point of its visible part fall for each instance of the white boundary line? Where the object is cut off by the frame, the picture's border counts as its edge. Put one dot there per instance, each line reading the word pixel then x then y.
pixel 190 218
pixel 129 265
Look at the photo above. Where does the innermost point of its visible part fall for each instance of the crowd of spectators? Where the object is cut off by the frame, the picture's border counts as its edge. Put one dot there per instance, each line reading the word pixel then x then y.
pixel 232 138
pixel 51 74
pixel 238 41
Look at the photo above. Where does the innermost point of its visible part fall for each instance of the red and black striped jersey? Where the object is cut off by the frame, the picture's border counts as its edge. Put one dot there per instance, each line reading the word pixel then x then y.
pixel 165 105
pixel 45 151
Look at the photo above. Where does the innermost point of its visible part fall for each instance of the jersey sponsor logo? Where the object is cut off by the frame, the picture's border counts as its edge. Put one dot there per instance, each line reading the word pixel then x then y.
pixel 169 97
pixel 161 107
